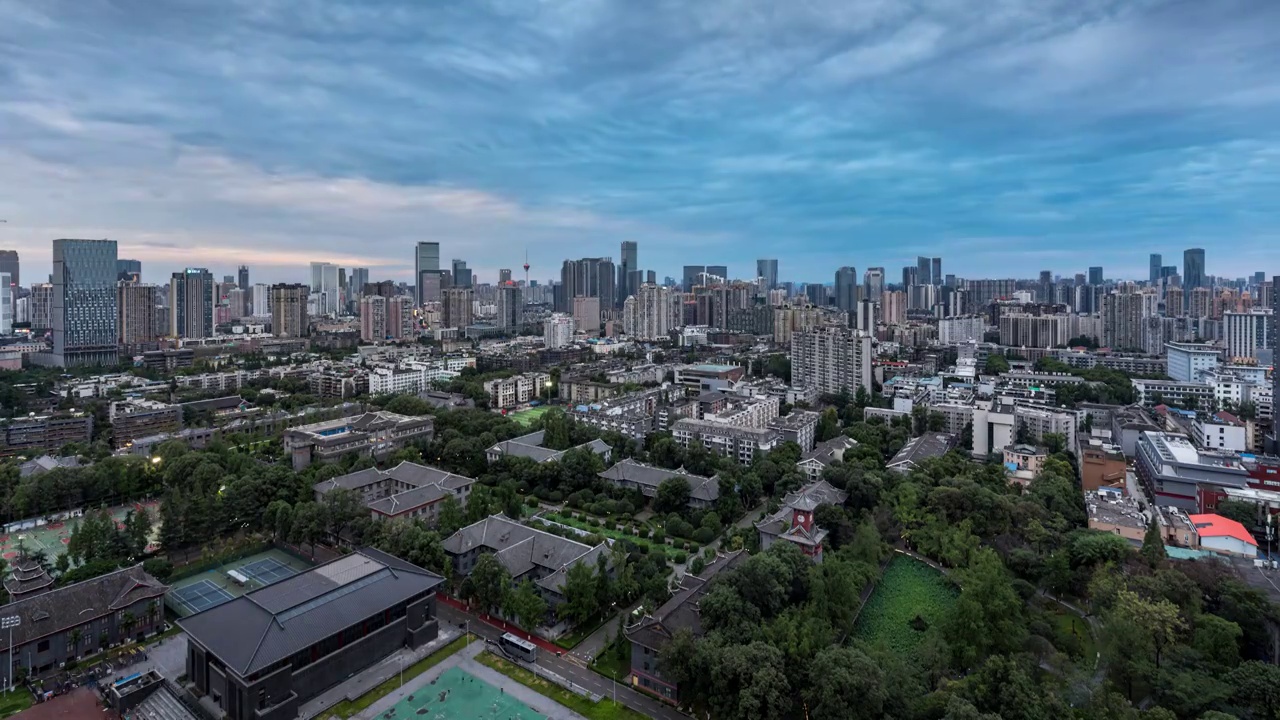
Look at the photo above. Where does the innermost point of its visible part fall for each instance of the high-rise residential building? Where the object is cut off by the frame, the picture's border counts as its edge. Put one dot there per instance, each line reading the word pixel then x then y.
pixel 138 306
pixel 588 277
pixel 935 271
pixel 1193 268
pixel 456 307
pixel 426 258
pixel 1033 331
pixel 129 270
pixel 191 301
pixel 289 310
pixel 651 314
pixel 10 266
pixel 557 330
pixel 1156 265
pixel 373 318
pixel 847 290
pixel 242 278
pixel 401 323
pixel 41 307
pixel 831 360
pixel 873 283
pixel 628 264
pixel 1244 333
pixel 586 314
pixel 261 300
pixel 461 274
pixel 510 306
pixel 924 271
pixel 383 288
pixel 893 307
pixel 6 304
pixel 766 268
pixel 84 302
pixel 864 317
pixel 1174 304
pixel 504 275
pixel 1095 275
pixel 1123 313
pixel 720 271
pixel 1275 374
pixel 690 275
pixel 1199 302
pixel 237 303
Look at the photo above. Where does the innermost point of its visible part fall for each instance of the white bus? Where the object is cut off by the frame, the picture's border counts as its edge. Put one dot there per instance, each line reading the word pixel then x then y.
pixel 518 648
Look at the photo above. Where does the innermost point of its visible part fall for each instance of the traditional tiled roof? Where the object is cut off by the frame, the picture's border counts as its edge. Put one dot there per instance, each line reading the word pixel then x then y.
pixel 57 610
pixel 521 548
pixel 530 446
pixel 681 612
pixel 649 477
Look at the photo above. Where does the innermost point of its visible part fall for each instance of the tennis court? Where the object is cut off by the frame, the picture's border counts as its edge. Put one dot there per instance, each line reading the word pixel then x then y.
pixel 199 597
pixel 459 695
pixel 266 571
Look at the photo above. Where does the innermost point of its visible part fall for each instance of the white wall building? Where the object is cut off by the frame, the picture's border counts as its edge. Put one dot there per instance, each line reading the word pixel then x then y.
pixel 1186 360
pixel 557 330
pixel 1244 333
pixel 1214 434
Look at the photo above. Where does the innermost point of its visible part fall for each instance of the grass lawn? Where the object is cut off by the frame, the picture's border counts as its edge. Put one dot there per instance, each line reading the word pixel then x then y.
pixel 908 589
pixel 347 708
pixel 668 550
pixel 1068 624
pixel 612 666
pixel 606 709
pixel 14 702
pixel 526 417
pixel 570 640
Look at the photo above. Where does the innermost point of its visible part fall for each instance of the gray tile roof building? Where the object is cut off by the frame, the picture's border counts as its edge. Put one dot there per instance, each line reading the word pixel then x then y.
pixel 703 491
pixel 824 454
pixel 917 450
pixel 530 446
pixel 793 522
pixel 526 553
pixel 406 490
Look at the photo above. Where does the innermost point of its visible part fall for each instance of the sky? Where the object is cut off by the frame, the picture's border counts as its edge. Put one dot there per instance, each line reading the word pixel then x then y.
pixel 1007 137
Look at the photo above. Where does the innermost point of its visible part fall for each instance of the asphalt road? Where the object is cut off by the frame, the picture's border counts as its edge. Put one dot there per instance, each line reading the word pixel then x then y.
pixel 570 668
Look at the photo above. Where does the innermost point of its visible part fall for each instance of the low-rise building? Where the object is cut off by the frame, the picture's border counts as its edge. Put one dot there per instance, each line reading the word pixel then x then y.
pixel 138 418
pixel 799 427
pixel 1173 470
pixel 740 443
pixel 794 523
pixel 917 450
pixel 265 653
pixel 407 491
pixel 630 474
pixel 36 434
pixel 1220 431
pixel 1024 462
pixel 1102 465
pixel 512 392
pixel 1111 512
pixel 814 462
pixel 377 434
pixel 1224 535
pixel 530 446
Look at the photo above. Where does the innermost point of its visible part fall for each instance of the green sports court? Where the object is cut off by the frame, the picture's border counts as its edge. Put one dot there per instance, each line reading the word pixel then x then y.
pixel 526 417
pixel 213 587
pixel 52 537
pixel 458 695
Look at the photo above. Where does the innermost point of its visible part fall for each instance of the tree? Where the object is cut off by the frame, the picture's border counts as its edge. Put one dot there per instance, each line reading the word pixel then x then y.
pixel 987 617
pixel 526 606
pixel 308 525
pixel 137 530
pixel 1159 620
pixel 451 518
pixel 1242 512
pixel 828 425
pixel 490 582
pixel 1153 551
pixel 580 593
pixel 966 437
pixel 672 496
pixel 996 365
pixel 1256 685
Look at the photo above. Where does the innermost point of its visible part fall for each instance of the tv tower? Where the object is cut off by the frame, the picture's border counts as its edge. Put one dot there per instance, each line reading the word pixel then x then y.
pixel 526 268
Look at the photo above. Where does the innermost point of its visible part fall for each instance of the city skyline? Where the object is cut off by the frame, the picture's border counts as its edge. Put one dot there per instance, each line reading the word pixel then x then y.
pixel 826 136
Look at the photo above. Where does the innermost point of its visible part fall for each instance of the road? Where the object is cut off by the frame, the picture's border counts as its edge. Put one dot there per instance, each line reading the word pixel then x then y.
pixel 571 669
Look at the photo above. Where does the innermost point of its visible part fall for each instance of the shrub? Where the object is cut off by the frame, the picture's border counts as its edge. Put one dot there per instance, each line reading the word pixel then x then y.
pixel 659 537
pixel 697 566
pixel 531 501
pixel 704 535
pixel 555 496
pixel 679 557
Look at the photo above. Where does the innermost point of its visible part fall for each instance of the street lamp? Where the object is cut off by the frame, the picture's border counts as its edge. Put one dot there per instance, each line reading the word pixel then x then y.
pixel 9 623
pixel 547 384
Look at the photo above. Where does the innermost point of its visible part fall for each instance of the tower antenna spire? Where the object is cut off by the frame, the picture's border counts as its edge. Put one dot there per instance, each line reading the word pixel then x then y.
pixel 526 268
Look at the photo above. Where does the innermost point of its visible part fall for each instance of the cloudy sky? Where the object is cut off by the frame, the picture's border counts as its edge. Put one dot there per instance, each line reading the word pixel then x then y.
pixel 1007 136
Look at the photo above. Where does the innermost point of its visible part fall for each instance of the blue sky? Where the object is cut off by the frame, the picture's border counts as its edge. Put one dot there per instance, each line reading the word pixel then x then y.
pixel 1032 134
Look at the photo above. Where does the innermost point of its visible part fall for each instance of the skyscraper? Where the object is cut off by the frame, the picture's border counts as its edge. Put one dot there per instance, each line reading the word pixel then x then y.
pixel 847 290
pixel 924 271
pixel 191 301
pixel 1095 275
pixel 359 278
pixel 873 283
pixel 936 271
pixel 136 322
pixel 510 306
pixel 1157 262
pixel 289 310
pixel 767 268
pixel 504 275
pixel 456 310
pixel 426 258
pixel 629 262
pixel 588 277
pixel 1275 349
pixel 129 270
pixel 461 274
pixel 720 271
pixel 9 264
pixel 84 302
pixel 326 283
pixel 6 304
pixel 910 276
pixel 690 276
pixel 1193 268
pixel 243 278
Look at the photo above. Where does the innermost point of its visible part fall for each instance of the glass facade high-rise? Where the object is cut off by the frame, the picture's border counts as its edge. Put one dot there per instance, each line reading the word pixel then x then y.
pixel 720 271
pixel 767 268
pixel 1095 275
pixel 924 271
pixel 1193 268
pixel 847 290
pixel 9 264
pixel 936 271
pixel 1157 262
pixel 191 300
pixel 84 302
pixel 690 276
pixel 426 258
pixel 628 271
pixel 461 273
pixel 129 270
pixel 242 280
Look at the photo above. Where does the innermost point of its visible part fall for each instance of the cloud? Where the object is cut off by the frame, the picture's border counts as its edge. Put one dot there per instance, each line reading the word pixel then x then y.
pixel 849 131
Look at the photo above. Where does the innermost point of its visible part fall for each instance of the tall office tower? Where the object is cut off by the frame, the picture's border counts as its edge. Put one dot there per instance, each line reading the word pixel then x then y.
pixel 831 360
pixel 191 303
pixel 129 270
pixel 510 306
pixel 6 304
pixel 84 302
pixel 690 276
pixel 873 283
pixel 924 271
pixel 847 290
pixel 237 303
pixel 1122 320
pixel 935 271
pixel 1078 280
pixel 588 277
pixel 1155 268
pixel 228 279
pixel 893 307
pixel 864 317
pixel 242 278
pixel 138 307
pixel 426 258
pixel 1199 302
pixel 1275 374
pixel 910 275
pixel 455 309
pixel 651 277
pixel 359 278
pixel 1169 274
pixel 628 263
pixel 1174 303
pixel 41 307
pixel 766 268
pixel 461 274
pixel 1095 275
pixel 1244 333
pixel 9 265
pixel 649 314
pixel 1193 268
pixel 432 285
pixel 557 330
pixel 504 276
pixel 325 283
pixel 720 271
pixel 373 318
pixel 289 310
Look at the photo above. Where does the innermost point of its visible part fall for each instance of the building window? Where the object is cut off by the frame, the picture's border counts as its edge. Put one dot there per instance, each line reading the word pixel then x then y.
pixel 42 645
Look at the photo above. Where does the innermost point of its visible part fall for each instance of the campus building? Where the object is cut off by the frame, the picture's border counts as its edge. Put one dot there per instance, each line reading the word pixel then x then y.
pixel 375 433
pixel 263 654
pixel 793 522
pixel 408 490
pixel 632 475
pixel 34 434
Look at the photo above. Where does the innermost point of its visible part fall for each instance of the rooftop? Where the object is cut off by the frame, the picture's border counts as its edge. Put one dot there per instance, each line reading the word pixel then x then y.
pixel 67 607
pixel 681 612
pixel 917 450
pixel 530 446
pixel 1217 526
pixel 651 476
pixel 521 548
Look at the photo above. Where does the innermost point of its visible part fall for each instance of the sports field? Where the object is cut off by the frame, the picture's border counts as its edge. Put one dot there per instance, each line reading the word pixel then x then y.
pixel 458 695
pixel 211 588
pixel 526 417
pixel 53 537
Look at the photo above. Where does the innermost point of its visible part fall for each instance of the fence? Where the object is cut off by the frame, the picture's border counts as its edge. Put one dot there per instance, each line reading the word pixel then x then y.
pixel 493 649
